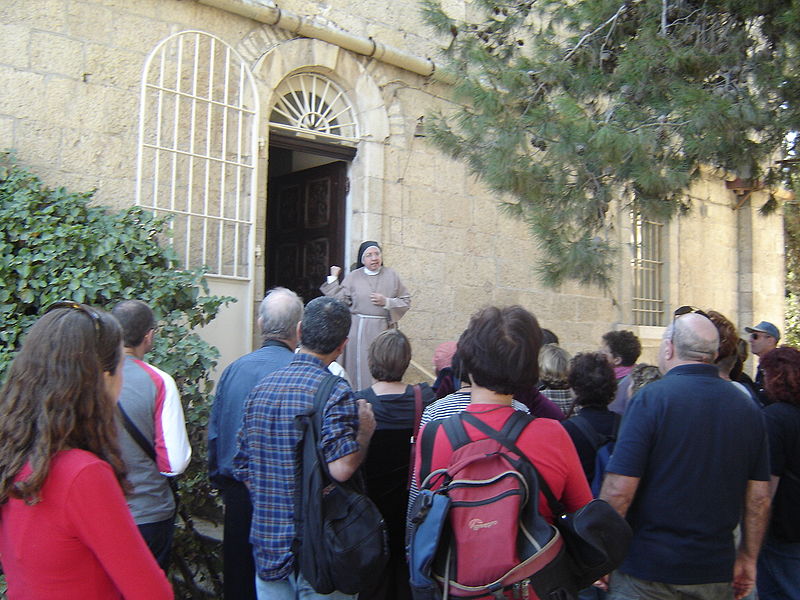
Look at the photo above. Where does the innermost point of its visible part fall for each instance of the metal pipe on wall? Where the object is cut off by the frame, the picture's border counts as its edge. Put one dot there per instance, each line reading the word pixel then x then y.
pixel 300 25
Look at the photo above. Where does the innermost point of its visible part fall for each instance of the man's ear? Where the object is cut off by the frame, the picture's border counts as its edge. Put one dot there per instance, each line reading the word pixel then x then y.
pixel 340 349
pixel 298 330
pixel 669 350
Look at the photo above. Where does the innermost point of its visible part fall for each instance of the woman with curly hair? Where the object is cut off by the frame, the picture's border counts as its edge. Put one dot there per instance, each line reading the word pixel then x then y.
pixel 65 529
pixel 778 574
pixel 591 378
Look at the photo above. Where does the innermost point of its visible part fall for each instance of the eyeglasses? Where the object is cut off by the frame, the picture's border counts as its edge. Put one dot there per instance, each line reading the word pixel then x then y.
pixel 92 314
pixel 756 335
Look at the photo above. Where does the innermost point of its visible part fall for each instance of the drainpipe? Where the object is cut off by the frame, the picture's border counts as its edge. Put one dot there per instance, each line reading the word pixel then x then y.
pixel 299 25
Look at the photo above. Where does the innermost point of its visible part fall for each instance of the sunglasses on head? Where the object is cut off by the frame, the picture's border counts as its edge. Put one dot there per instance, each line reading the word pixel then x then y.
pixel 71 304
pixel 685 310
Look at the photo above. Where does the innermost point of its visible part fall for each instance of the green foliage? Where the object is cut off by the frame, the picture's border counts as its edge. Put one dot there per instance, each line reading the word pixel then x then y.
pixel 791 220
pixel 567 106
pixel 55 245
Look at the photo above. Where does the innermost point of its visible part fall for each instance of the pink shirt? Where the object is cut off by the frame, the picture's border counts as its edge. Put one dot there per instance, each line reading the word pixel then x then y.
pixel 79 542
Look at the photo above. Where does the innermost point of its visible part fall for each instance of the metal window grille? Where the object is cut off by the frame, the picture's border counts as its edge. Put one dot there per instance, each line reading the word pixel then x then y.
pixel 309 102
pixel 198 148
pixel 648 271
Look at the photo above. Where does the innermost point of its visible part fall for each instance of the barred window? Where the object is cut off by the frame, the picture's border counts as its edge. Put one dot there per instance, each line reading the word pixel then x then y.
pixel 648 271
pixel 198 151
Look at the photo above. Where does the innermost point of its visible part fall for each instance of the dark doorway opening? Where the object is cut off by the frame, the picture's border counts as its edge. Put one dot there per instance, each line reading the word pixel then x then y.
pixel 306 201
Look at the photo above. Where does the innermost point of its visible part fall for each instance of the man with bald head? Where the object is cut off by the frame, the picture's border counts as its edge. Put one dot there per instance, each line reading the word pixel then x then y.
pixel 278 317
pixel 690 464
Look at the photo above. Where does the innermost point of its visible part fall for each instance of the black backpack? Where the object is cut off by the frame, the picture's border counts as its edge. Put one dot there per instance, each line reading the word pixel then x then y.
pixel 341 541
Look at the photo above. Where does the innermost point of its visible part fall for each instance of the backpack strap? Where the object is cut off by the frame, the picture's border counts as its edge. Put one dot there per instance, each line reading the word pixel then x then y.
pixel 594 437
pixel 426 449
pixel 556 507
pixel 454 429
pixel 318 408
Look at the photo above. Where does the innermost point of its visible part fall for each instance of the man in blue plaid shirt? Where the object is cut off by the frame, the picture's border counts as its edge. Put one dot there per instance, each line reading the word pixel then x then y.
pixel 266 459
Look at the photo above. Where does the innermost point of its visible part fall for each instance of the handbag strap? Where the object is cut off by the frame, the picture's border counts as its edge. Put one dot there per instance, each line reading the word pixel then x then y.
pixel 556 507
pixel 137 435
pixel 148 449
pixel 414 431
pixel 417 410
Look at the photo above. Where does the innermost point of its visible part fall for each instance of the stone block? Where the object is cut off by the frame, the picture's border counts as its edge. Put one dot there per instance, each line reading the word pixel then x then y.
pixel 42 144
pixel 56 54
pixel 421 205
pixel 120 111
pixel 59 98
pixel 113 67
pixel 48 15
pixel 479 244
pixel 396 230
pixel 7 126
pixel 90 21
pixel 485 215
pixel 87 107
pixel 14 44
pixel 27 99
pixel 136 33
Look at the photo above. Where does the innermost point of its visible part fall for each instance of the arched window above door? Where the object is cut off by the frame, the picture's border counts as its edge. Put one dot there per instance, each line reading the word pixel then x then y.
pixel 309 103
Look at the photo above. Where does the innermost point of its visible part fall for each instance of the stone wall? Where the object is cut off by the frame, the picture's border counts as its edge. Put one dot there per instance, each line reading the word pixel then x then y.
pixel 70 71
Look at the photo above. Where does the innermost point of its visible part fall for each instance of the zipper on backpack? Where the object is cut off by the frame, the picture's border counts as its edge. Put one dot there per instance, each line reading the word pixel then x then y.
pixel 526 588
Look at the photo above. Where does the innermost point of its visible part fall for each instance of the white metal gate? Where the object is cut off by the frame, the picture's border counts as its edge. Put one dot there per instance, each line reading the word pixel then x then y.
pixel 198 147
pixel 197 159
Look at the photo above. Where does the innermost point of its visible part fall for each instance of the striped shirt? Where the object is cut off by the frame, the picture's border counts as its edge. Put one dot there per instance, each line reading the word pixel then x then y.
pixel 267 453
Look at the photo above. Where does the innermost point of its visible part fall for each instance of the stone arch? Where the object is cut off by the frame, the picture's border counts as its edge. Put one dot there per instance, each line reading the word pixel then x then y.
pixel 287 56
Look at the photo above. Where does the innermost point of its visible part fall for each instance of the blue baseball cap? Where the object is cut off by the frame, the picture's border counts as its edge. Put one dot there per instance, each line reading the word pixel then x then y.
pixel 765 327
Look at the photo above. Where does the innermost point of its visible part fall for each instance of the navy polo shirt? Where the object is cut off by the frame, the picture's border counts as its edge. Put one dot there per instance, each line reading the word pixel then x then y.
pixel 694 440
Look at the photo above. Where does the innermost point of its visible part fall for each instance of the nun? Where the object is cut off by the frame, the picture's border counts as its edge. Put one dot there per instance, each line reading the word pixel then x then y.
pixel 377 300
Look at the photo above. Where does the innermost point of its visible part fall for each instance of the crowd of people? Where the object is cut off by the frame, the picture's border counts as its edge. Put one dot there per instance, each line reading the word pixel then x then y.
pixel 702 461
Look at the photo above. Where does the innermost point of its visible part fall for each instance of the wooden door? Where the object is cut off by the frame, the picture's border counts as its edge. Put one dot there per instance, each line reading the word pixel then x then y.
pixel 305 227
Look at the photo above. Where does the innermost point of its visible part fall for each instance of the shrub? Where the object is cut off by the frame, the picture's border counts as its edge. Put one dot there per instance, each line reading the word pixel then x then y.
pixel 56 245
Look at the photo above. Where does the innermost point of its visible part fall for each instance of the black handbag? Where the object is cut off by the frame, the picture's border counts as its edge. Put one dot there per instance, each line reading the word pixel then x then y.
pixel 341 541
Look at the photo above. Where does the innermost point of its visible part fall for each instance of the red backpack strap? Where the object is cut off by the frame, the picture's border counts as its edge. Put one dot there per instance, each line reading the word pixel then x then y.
pixel 555 506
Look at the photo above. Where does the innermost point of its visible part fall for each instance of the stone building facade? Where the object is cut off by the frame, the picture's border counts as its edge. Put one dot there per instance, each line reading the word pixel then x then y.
pixel 226 114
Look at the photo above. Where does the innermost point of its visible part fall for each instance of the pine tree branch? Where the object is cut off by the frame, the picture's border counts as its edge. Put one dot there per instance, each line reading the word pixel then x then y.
pixel 616 15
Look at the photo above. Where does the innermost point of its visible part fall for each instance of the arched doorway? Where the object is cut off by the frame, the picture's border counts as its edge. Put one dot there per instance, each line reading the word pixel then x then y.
pixel 313 139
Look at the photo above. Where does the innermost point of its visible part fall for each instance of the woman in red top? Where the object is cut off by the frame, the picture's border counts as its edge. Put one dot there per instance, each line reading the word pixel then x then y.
pixel 500 351
pixel 65 529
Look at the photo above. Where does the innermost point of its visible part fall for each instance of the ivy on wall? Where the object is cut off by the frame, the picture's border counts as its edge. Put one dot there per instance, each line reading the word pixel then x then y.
pixel 56 245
